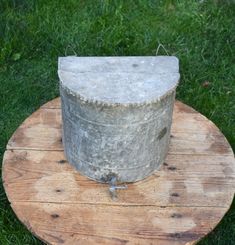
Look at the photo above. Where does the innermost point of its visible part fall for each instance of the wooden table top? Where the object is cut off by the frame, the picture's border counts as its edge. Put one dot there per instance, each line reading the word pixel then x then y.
pixel 178 204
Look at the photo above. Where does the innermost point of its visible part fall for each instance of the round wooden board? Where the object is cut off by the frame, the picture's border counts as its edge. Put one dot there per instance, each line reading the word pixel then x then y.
pixel 179 204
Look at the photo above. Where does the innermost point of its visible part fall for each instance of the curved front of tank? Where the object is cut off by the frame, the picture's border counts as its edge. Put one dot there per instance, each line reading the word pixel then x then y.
pixel 105 141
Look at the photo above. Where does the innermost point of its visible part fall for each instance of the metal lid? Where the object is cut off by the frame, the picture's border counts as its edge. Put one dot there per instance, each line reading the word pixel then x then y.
pixel 119 80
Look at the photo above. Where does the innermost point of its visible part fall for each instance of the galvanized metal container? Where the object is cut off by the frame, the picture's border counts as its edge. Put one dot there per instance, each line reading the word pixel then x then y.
pixel 117 114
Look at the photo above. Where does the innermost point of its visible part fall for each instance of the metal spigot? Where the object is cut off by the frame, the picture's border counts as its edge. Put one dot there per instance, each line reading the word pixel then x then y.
pixel 114 187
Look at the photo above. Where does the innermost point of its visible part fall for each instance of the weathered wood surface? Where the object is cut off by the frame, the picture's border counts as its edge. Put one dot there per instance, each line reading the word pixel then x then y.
pixel 179 204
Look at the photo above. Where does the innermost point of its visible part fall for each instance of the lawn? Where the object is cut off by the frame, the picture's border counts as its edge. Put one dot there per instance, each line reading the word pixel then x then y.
pixel 34 33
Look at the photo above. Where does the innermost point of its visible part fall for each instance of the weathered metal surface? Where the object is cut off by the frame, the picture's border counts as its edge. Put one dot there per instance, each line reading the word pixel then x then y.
pixel 117 114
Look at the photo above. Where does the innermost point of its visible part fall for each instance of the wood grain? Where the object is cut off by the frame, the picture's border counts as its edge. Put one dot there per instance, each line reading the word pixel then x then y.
pixel 49 178
pixel 127 224
pixel 178 204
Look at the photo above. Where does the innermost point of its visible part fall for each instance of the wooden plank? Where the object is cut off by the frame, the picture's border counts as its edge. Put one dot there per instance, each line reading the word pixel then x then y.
pixel 70 238
pixel 45 176
pixel 42 131
pixel 187 144
pixel 120 224
pixel 180 164
pixel 52 104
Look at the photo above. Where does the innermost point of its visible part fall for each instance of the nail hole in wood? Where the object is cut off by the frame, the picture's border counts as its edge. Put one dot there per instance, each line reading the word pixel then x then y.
pixel 55 216
pixel 62 161
pixel 176 216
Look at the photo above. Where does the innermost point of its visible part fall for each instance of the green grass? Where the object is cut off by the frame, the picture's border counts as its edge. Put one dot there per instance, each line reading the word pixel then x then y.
pixel 34 33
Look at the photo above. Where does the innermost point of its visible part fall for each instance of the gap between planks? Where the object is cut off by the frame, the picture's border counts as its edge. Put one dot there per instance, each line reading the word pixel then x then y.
pixel 122 204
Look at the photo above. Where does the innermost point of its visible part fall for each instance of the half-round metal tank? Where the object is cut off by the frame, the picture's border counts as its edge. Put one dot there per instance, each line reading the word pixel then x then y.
pixel 117 114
